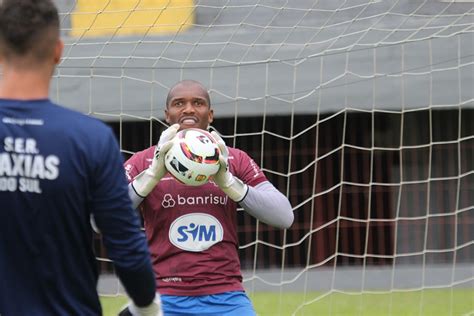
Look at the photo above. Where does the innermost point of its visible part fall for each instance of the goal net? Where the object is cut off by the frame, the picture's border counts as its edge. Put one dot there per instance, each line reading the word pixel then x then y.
pixel 359 111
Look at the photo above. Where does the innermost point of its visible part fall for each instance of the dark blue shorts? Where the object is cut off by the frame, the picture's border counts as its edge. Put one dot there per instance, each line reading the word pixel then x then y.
pixel 224 304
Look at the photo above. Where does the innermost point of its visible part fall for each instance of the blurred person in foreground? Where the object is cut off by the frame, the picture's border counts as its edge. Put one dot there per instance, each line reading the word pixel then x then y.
pixel 200 275
pixel 57 169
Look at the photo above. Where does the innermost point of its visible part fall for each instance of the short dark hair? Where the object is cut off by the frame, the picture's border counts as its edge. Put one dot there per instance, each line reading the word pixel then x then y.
pixel 187 82
pixel 28 28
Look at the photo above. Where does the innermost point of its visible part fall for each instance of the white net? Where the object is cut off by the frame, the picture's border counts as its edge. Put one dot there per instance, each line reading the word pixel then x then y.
pixel 359 111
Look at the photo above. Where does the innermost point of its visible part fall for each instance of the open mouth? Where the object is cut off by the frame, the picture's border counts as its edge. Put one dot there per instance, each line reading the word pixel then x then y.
pixel 188 120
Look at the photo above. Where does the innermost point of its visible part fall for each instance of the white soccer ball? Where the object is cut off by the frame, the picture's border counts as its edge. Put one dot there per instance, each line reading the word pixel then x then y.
pixel 193 157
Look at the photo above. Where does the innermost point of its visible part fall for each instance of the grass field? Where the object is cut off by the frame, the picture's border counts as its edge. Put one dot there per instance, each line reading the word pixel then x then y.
pixel 427 302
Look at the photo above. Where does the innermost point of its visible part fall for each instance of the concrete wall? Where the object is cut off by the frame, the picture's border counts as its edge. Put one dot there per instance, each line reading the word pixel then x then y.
pixel 357 279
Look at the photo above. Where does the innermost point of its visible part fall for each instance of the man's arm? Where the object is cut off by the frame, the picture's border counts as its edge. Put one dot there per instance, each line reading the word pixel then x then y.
pixel 136 199
pixel 263 201
pixel 268 205
pixel 120 226
pixel 146 181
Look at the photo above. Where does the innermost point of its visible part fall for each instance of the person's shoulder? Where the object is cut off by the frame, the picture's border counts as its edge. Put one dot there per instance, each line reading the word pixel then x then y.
pixel 79 127
pixel 83 132
pixel 140 159
pixel 77 120
pixel 236 152
pixel 145 153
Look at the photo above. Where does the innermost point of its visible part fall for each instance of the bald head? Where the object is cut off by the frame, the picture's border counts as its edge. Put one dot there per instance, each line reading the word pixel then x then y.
pixel 189 105
pixel 187 84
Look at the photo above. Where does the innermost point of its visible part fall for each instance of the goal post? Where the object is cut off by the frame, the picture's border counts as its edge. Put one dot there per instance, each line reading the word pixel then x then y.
pixel 359 111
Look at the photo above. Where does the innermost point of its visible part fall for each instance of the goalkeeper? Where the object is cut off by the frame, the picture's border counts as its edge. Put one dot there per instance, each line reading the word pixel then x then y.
pixel 57 168
pixel 195 257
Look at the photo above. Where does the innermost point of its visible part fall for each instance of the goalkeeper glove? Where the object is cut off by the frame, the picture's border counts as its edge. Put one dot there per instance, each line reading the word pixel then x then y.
pixel 154 309
pixel 146 181
pixel 230 185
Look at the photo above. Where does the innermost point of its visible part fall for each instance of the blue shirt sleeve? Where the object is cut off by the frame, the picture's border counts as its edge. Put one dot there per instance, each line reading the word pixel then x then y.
pixel 119 223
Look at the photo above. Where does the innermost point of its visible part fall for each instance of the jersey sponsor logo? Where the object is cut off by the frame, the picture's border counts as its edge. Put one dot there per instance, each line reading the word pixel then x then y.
pixel 128 169
pixel 22 167
pixel 168 280
pixel 255 168
pixel 211 199
pixel 21 122
pixel 168 201
pixel 196 232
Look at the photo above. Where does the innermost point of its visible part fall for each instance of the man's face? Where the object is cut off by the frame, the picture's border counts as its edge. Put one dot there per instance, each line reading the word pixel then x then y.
pixel 188 106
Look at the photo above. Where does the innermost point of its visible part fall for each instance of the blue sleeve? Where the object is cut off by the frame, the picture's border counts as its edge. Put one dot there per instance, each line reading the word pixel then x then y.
pixel 119 223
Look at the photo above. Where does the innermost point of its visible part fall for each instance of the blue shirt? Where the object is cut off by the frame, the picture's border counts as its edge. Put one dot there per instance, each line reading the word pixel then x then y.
pixel 57 167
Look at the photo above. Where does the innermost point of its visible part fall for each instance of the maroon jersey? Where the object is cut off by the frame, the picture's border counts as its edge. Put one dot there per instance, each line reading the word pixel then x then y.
pixel 191 231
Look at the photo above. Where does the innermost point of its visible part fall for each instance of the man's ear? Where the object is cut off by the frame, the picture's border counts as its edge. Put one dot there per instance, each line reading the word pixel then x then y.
pixel 167 116
pixel 211 116
pixel 58 51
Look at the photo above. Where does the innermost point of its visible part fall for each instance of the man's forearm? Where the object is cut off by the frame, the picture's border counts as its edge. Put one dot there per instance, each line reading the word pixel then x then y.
pixel 268 205
pixel 136 199
pixel 139 284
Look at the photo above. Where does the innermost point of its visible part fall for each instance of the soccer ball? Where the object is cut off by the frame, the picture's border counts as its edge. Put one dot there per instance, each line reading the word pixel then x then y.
pixel 193 157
